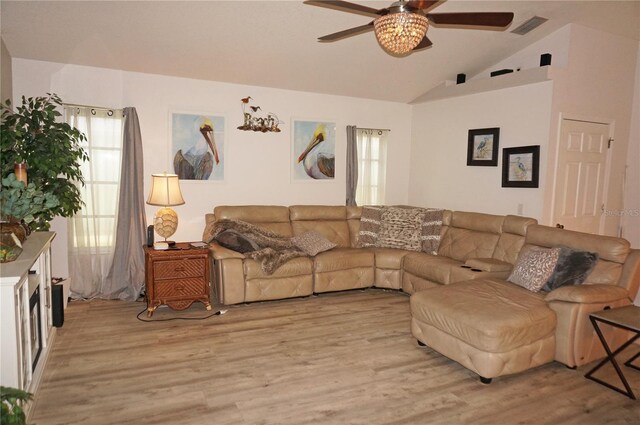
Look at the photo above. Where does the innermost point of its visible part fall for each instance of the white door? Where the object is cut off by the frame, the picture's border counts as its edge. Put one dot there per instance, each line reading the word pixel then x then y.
pixel 580 175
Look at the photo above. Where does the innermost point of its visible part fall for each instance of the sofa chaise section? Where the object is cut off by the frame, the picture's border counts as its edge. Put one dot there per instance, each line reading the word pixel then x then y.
pixel 471 323
pixel 494 327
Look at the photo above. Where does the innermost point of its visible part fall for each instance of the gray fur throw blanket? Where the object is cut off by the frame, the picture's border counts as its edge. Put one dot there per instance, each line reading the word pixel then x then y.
pixel 271 249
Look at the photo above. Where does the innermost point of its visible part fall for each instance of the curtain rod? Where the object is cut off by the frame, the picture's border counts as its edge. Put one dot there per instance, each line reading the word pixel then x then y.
pixel 110 111
pixel 380 129
pixel 76 105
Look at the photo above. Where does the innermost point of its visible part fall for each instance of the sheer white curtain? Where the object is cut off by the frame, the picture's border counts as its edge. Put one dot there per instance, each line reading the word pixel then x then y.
pixel 92 230
pixel 372 166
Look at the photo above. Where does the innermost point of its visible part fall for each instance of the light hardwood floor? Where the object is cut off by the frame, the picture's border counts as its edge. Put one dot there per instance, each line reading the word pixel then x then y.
pixel 345 358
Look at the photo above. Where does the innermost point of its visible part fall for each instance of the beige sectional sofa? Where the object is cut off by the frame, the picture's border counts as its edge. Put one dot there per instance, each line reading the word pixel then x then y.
pixel 469 239
pixel 462 306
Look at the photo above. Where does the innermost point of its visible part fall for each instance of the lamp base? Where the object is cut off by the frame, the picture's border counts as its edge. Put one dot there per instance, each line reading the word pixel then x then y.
pixel 165 223
pixel 170 243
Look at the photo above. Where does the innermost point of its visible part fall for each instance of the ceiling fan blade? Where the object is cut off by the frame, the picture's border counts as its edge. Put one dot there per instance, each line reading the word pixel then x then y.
pixel 423 4
pixel 424 43
pixel 346 6
pixel 347 33
pixel 484 19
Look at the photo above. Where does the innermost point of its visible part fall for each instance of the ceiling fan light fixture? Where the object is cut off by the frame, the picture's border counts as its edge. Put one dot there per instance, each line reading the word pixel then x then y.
pixel 399 33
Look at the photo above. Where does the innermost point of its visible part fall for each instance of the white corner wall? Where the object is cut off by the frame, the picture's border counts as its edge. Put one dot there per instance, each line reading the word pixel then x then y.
pixel 631 208
pixel 257 164
pixel 557 44
pixel 594 78
pixel 439 174
pixel 6 79
pixel 597 85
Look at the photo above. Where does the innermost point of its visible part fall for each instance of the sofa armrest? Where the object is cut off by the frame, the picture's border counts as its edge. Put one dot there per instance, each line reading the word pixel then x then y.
pixel 489 265
pixel 576 341
pixel 219 252
pixel 588 294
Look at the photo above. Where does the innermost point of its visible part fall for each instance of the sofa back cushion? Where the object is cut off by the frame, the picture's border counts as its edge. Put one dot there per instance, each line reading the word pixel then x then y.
pixel 329 221
pixel 446 222
pixel 511 239
pixel 612 252
pixel 353 221
pixel 470 235
pixel 273 218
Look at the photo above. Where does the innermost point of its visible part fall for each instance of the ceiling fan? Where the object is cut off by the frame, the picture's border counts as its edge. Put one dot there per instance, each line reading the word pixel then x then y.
pixel 401 28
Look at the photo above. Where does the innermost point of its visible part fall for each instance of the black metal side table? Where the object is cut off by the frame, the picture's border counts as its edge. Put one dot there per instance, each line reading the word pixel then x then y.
pixel 627 318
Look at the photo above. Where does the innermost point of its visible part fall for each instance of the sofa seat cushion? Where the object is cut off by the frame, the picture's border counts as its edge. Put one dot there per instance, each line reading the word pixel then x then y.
pixel 389 258
pixel 295 267
pixel 430 267
pixel 489 314
pixel 343 259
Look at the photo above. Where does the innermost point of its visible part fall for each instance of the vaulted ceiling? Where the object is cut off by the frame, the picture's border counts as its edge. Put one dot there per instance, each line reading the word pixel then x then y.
pixel 273 43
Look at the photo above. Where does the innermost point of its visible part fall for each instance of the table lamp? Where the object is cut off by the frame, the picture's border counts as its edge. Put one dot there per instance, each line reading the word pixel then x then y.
pixel 165 192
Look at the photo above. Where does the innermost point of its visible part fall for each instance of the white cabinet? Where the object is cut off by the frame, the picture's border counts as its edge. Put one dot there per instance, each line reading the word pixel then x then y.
pixel 26 331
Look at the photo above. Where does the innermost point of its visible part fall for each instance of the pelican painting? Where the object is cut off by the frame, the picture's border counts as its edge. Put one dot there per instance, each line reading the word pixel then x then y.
pixel 198 146
pixel 314 150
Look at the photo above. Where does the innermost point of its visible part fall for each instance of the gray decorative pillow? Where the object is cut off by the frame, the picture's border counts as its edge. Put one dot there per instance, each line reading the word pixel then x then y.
pixel 534 267
pixel 572 268
pixel 401 228
pixel 369 226
pixel 236 241
pixel 312 243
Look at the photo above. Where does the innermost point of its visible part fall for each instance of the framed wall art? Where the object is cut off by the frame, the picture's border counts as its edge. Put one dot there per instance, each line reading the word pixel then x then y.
pixel 482 147
pixel 197 146
pixel 314 150
pixel 521 166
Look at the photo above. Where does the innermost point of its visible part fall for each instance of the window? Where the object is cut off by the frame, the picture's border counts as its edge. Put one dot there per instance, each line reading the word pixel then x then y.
pixel 94 226
pixel 372 166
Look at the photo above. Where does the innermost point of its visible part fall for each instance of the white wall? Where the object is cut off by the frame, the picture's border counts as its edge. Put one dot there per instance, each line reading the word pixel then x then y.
pixel 257 164
pixel 631 217
pixel 598 85
pixel 557 44
pixel 439 174
pixel 5 73
pixel 593 76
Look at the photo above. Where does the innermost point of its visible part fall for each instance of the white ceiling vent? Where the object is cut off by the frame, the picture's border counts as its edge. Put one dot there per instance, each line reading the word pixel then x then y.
pixel 530 25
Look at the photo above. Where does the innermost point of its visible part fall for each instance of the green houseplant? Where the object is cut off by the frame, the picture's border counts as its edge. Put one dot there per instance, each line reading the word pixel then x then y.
pixel 11 400
pixel 19 205
pixel 22 204
pixel 33 134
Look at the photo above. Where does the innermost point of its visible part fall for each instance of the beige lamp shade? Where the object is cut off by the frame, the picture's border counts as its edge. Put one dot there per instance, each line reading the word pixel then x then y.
pixel 165 192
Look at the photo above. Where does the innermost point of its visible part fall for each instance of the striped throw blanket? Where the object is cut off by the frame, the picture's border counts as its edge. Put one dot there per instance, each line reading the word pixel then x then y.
pixel 401 227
